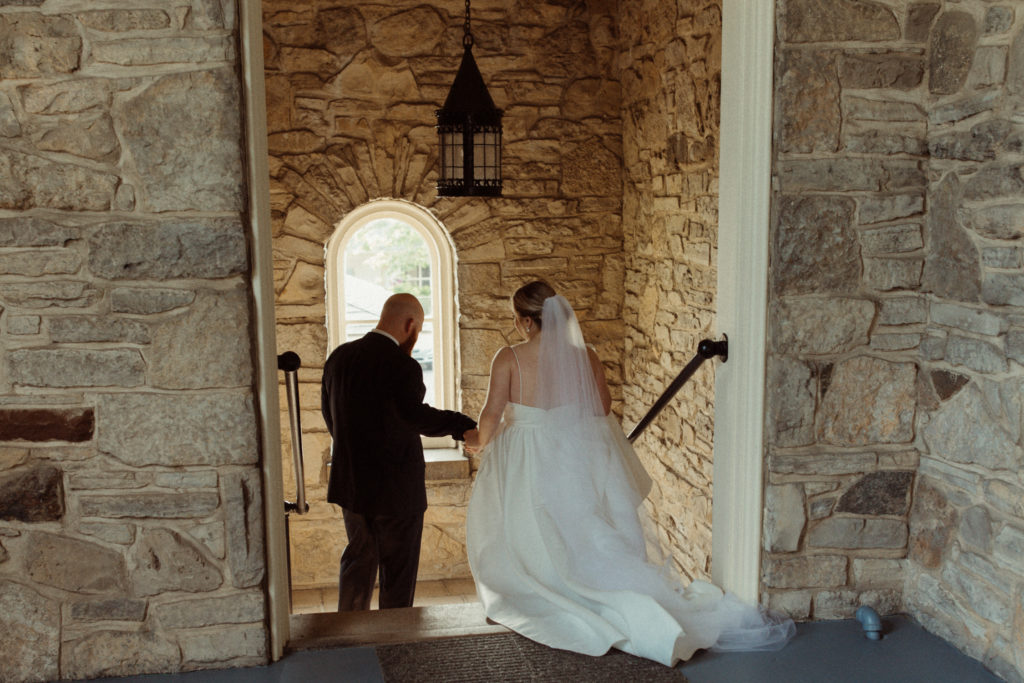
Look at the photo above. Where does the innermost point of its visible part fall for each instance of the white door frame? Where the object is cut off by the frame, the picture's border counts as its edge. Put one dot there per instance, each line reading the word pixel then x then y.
pixel 744 200
pixel 250 20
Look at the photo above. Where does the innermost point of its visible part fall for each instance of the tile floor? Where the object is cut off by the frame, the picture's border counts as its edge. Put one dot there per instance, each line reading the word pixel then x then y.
pixel 822 652
pixel 428 593
pixel 328 646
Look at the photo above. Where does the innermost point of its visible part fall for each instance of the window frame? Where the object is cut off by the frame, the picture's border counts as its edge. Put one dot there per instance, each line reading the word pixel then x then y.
pixel 442 291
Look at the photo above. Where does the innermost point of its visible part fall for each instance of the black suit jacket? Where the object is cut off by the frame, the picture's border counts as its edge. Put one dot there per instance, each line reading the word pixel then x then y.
pixel 372 401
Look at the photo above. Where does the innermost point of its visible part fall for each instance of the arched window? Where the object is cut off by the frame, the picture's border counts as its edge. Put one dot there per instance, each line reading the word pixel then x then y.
pixel 388 246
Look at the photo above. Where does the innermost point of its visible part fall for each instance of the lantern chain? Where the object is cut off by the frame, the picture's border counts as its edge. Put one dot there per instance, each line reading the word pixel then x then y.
pixel 467 39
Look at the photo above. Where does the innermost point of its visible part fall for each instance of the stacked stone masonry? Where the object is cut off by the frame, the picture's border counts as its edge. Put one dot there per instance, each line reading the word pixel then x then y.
pixel 131 531
pixel 352 88
pixel 897 317
pixel 670 65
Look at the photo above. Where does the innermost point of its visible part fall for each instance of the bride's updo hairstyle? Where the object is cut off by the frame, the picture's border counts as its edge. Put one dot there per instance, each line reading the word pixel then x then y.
pixel 528 301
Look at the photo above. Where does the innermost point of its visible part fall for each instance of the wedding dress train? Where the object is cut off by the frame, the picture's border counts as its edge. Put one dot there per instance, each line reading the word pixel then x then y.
pixel 557 549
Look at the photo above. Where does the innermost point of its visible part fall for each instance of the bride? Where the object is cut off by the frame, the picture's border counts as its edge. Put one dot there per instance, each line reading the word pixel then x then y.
pixel 554 533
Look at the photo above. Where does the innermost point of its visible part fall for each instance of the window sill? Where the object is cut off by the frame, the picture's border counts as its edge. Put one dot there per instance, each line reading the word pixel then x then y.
pixel 446 463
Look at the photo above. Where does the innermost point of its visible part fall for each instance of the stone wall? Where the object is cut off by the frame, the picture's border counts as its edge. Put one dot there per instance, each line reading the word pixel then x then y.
pixel 131 532
pixel 352 88
pixel 965 577
pixel 128 437
pixel 671 69
pixel 894 425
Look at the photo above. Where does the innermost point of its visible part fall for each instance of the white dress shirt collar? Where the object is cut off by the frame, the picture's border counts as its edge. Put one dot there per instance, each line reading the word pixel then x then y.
pixel 386 335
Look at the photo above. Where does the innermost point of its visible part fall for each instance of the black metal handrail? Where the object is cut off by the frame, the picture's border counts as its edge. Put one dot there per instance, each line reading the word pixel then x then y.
pixel 289 362
pixel 705 349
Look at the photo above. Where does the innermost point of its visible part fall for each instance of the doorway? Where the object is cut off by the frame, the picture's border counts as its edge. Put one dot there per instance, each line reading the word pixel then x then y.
pixel 381 247
pixel 746 102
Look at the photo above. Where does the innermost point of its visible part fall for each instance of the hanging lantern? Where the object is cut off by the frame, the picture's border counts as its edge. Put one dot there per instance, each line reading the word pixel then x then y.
pixel 469 131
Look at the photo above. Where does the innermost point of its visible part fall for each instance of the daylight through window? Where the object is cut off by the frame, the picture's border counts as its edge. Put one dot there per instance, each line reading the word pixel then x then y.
pixel 384 257
pixel 390 246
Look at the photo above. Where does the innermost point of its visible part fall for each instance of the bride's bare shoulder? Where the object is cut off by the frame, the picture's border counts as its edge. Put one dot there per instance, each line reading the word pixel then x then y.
pixel 503 356
pixel 524 351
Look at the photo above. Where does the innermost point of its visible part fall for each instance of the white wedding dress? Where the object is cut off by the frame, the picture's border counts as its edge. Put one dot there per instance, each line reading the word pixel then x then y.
pixel 555 539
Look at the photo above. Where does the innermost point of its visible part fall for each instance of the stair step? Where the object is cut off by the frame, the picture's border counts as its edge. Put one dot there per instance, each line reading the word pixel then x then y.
pixel 376 627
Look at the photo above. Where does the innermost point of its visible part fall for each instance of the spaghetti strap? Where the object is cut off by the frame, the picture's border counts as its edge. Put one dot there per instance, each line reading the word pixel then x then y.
pixel 520 368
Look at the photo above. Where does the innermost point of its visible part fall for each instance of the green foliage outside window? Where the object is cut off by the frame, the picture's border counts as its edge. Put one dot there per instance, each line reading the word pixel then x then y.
pixel 397 255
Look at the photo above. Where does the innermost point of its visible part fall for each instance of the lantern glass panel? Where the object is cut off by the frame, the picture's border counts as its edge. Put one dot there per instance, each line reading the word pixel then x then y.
pixel 485 154
pixel 451 154
pixel 494 164
pixel 445 144
pixel 478 152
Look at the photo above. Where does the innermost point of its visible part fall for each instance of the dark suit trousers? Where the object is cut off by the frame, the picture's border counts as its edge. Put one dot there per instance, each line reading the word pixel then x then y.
pixel 393 544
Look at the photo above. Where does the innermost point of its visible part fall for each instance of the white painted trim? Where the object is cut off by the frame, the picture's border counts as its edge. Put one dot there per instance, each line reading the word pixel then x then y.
pixel 442 254
pixel 744 213
pixel 258 170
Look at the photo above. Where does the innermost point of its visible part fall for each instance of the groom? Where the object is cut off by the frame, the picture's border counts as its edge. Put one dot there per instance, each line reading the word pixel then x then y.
pixel 372 401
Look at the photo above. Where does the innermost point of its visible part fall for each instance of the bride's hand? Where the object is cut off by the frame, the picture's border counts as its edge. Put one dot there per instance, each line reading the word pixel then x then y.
pixel 471 439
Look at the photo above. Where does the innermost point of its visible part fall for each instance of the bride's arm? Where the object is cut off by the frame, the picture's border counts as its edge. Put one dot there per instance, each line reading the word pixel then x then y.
pixel 602 382
pixel 497 395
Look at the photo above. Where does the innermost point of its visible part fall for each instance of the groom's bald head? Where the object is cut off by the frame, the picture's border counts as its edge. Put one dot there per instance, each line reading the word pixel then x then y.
pixel 402 318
